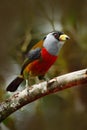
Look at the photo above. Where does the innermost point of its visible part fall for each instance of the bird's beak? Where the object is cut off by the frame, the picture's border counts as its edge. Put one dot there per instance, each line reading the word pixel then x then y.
pixel 63 37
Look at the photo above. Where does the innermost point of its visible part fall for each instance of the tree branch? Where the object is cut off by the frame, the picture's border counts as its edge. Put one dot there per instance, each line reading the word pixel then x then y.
pixel 37 91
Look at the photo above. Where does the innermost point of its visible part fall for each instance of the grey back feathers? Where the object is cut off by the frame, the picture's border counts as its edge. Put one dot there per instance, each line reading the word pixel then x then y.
pixel 32 55
pixel 52 44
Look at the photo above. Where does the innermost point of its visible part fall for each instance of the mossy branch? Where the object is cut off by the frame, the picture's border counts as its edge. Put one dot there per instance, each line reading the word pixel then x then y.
pixel 19 99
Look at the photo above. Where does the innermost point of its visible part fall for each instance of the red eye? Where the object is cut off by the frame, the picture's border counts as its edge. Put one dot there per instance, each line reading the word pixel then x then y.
pixel 56 35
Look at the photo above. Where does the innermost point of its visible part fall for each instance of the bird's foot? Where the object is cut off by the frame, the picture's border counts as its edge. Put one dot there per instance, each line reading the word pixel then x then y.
pixel 28 87
pixel 28 91
pixel 44 89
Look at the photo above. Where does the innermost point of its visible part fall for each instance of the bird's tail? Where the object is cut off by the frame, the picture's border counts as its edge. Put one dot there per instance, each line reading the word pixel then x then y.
pixel 14 84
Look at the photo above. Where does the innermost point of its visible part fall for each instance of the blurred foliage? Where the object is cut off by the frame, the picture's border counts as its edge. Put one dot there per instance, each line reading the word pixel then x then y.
pixel 22 24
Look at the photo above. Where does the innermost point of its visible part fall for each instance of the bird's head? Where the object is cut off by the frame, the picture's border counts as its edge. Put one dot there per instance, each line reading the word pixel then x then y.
pixel 54 41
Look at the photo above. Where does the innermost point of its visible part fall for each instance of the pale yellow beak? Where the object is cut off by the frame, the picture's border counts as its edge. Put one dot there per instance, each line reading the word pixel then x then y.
pixel 63 37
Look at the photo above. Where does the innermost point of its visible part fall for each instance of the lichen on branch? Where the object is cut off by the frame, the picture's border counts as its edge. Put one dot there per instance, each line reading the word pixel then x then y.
pixel 19 99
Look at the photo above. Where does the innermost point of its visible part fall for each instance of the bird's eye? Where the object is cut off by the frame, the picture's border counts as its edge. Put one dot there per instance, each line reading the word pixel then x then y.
pixel 55 35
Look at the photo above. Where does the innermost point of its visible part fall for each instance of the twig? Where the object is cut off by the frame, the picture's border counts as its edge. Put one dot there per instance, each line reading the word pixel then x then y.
pixel 19 99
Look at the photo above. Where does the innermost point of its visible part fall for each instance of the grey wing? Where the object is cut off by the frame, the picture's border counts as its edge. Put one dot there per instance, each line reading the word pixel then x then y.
pixel 32 55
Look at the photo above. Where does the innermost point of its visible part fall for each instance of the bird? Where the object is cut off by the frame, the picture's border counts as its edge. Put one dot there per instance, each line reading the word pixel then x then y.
pixel 40 58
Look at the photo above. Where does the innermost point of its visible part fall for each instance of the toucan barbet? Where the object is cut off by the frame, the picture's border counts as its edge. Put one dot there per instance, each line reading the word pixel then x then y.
pixel 40 58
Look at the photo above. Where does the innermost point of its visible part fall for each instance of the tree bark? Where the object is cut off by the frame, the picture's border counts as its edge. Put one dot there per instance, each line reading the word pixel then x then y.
pixel 19 99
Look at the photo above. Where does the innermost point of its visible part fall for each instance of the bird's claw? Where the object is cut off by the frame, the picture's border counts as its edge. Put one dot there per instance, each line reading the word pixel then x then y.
pixel 28 91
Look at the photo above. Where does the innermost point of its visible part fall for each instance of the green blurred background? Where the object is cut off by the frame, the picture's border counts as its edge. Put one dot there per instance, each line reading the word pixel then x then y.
pixel 22 24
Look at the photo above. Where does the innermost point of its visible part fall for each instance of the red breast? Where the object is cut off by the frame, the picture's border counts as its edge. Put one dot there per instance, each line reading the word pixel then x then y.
pixel 41 66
